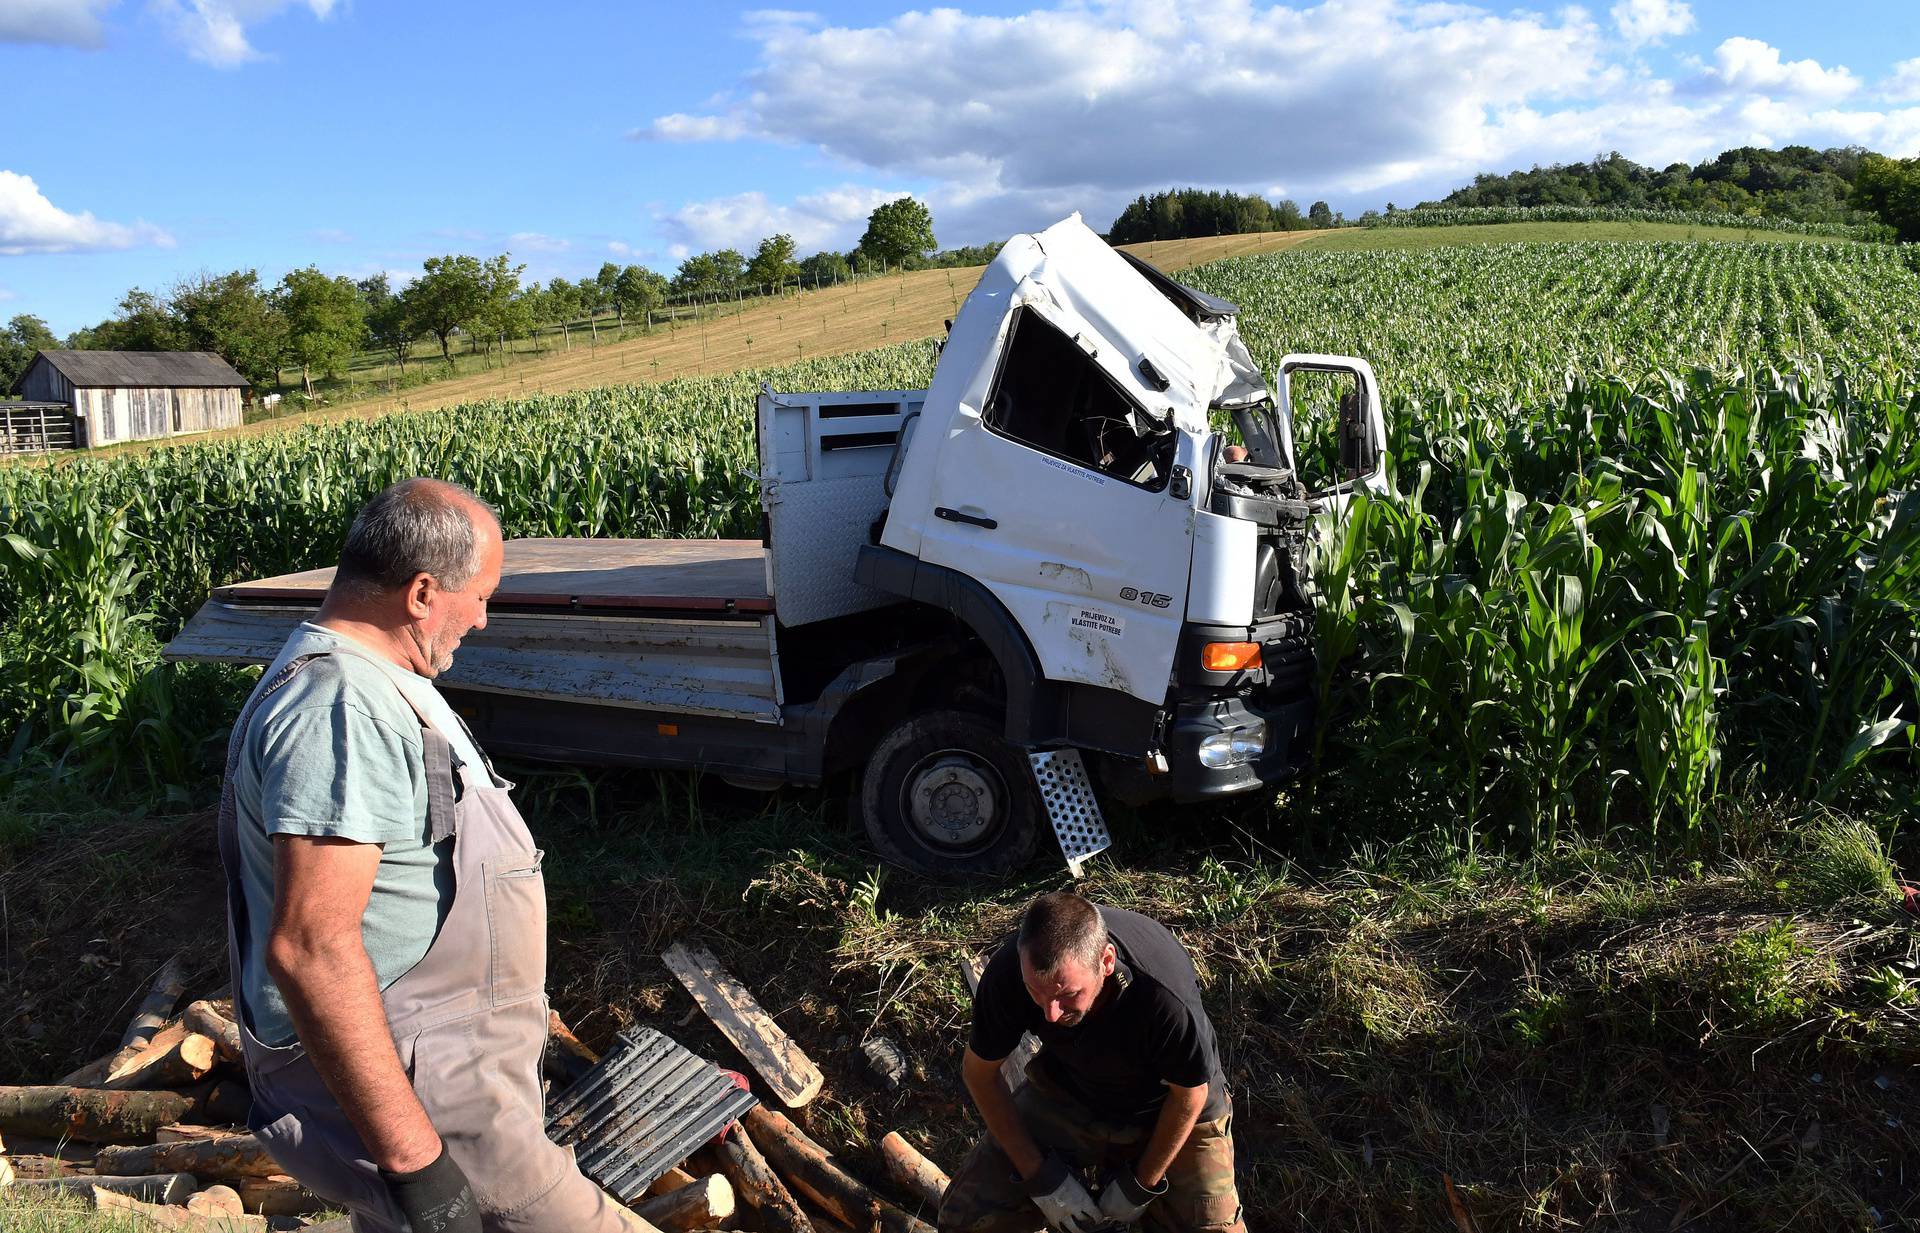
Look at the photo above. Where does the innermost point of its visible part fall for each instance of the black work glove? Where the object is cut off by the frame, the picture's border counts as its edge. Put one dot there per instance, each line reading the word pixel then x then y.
pixel 436 1199
pixel 1123 1200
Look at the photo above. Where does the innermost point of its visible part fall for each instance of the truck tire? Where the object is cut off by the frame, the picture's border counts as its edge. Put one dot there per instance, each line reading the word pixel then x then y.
pixel 945 794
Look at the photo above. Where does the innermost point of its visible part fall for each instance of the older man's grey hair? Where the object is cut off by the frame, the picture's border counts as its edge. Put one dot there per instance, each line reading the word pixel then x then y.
pixel 417 526
pixel 1062 926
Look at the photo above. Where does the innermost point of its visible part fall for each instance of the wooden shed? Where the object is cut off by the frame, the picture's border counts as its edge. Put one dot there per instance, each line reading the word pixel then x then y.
pixel 136 395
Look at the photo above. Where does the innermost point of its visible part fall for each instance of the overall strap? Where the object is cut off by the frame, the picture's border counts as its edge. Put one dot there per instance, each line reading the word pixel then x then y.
pixel 438 756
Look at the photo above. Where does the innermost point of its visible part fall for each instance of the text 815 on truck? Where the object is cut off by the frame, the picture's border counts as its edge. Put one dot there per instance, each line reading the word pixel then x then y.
pixel 1045 578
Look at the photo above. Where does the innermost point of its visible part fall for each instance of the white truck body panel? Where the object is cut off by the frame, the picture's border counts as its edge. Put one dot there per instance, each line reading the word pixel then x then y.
pixel 1094 568
pixel 1222 589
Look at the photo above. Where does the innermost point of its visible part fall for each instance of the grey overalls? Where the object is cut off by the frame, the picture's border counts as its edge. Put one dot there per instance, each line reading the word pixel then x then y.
pixel 469 1021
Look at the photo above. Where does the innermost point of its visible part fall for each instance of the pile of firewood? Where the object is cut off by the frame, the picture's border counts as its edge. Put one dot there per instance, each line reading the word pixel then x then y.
pixel 155 1131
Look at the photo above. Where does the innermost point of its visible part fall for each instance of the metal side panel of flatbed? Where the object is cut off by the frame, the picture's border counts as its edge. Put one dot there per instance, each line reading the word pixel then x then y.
pixel 681 627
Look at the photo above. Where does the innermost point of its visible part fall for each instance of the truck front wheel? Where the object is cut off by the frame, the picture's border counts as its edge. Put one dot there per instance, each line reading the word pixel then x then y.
pixel 944 793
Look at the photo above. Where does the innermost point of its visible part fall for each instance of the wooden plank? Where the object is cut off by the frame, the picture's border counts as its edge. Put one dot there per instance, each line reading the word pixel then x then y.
pixel 786 1068
pixel 693 574
pixel 1013 1068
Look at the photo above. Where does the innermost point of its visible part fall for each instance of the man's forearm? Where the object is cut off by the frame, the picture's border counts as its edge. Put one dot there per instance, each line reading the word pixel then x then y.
pixel 1178 1114
pixel 334 999
pixel 990 1096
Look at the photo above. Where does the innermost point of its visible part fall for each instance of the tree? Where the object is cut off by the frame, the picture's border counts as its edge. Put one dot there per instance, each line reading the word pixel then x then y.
pixel 24 337
pixel 773 264
pixel 502 313
pixel 230 314
pixel 326 321
pixel 714 273
pixel 606 282
pixel 898 230
pixel 447 297
pixel 1891 188
pixel 638 289
pixel 1320 215
pixel 390 328
pixel 142 322
pixel 825 268
pixel 562 304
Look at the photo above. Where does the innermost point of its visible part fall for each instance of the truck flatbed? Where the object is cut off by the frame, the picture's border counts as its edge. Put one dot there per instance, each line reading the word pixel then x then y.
pixel 634 575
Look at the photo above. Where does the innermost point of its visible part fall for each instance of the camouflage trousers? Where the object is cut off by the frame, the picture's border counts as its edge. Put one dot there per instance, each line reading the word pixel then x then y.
pixel 986 1195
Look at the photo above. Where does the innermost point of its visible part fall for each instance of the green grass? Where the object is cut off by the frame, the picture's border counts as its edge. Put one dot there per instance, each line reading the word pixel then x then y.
pixel 1349 239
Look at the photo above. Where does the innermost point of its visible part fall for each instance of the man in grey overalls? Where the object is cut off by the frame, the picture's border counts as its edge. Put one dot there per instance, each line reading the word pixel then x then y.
pixel 387 922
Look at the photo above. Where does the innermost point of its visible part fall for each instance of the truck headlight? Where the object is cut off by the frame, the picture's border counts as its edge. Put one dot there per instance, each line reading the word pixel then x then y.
pixel 1234 746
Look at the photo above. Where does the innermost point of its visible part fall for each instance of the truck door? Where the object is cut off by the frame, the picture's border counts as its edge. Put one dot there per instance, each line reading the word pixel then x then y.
pixel 1331 427
pixel 1071 500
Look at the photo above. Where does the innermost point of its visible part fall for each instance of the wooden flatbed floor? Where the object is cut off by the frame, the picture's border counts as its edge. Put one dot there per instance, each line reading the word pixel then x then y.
pixel 697 575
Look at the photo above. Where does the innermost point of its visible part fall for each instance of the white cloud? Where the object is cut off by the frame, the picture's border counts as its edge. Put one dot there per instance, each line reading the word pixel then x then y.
pixel 1903 84
pixel 332 235
pixel 1651 21
pixel 215 31
pixel 1750 66
pixel 833 218
pixel 7 294
pixel 536 242
pixel 67 23
pixel 1002 123
pixel 29 223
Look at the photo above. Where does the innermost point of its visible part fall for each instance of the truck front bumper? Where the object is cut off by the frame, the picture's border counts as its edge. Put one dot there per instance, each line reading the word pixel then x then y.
pixel 1289 742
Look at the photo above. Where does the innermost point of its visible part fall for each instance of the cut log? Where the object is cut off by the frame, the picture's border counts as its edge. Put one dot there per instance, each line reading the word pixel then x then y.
pixel 216 1201
pixel 788 1071
pixel 180 1131
pixel 222 1159
pixel 155 1010
pixel 912 1172
pixel 701 1205
pixel 182 1064
pixel 1014 1068
pixel 565 1059
pixel 152 1215
pixel 84 1113
pixel 207 1019
pixel 277 1195
pixel 758 1187
pixel 154 1188
pixel 812 1171
pixel 670 1181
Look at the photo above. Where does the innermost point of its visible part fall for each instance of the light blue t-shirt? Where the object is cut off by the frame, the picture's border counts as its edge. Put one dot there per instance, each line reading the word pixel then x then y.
pixel 337 751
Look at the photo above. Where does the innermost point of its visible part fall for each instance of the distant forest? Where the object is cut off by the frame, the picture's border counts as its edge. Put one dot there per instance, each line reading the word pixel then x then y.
pixel 1795 183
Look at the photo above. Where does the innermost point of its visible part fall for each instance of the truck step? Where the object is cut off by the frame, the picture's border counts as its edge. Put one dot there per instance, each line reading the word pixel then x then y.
pixel 1067 793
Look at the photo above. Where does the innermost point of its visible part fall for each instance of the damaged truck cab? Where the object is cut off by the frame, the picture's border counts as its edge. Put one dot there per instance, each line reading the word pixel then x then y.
pixel 1070 568
pixel 1064 493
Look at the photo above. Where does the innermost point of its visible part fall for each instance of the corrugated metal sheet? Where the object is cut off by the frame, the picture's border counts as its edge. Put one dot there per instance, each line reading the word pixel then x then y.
pixel 151 369
pixel 642 1110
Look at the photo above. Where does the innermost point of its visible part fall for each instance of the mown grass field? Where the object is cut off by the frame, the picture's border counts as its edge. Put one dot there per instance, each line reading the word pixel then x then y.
pixel 1589 915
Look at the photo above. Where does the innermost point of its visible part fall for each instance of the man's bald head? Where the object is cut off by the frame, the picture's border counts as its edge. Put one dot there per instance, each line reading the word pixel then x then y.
pixel 418 526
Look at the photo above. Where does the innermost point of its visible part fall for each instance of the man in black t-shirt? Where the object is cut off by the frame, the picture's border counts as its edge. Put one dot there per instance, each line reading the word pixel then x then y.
pixel 1127 1085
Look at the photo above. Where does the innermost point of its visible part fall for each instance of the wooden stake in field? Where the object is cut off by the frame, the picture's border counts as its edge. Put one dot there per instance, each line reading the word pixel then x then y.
pixel 812 1170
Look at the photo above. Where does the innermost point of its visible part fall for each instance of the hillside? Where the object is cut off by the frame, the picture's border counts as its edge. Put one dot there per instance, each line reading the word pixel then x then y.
pixel 784 330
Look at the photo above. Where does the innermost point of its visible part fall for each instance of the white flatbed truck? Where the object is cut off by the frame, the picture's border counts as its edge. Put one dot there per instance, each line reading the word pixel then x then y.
pixel 1038 581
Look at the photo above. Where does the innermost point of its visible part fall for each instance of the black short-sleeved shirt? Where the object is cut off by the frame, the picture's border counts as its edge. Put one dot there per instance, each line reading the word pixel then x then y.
pixel 1119 1058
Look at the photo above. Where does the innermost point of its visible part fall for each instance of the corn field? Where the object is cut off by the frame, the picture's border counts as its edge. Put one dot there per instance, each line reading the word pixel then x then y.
pixel 1654 539
pixel 1655 531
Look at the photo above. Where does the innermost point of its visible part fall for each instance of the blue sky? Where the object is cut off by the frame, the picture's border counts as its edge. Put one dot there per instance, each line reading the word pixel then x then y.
pixel 152 139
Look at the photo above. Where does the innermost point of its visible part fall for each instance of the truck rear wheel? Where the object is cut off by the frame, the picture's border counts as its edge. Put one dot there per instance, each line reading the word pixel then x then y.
pixel 944 793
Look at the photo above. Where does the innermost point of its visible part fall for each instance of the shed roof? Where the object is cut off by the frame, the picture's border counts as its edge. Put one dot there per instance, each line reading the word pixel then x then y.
pixel 175 369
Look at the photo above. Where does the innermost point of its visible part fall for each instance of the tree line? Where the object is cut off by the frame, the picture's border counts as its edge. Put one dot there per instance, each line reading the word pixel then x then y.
pixel 1847 186
pixel 318 322
pixel 1190 213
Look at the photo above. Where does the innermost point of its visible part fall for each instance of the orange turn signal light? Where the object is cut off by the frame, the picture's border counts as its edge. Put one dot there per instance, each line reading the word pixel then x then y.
pixel 1230 656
